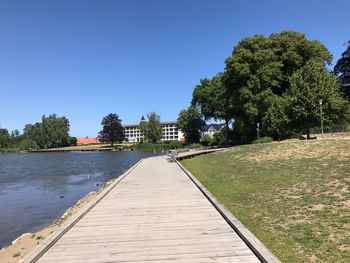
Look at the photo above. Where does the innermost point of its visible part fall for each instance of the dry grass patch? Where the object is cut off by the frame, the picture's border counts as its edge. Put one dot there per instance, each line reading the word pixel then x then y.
pixel 294 195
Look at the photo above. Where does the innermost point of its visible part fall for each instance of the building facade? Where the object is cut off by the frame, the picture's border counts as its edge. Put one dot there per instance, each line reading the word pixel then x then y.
pixel 169 132
pixel 212 128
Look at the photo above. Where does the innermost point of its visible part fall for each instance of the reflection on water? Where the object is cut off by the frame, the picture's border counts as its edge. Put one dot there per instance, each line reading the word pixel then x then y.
pixel 32 185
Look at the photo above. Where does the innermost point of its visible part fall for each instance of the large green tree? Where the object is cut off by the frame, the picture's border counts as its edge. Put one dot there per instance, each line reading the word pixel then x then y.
pixel 152 128
pixel 56 131
pixel 259 71
pixel 51 132
pixel 4 138
pixel 112 129
pixel 15 138
pixel 342 70
pixel 309 85
pixel 34 133
pixel 211 97
pixel 191 124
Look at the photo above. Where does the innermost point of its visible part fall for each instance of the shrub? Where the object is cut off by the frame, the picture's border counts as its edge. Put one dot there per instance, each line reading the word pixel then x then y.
pixel 27 144
pixel 175 145
pixel 73 141
pixel 218 139
pixel 206 140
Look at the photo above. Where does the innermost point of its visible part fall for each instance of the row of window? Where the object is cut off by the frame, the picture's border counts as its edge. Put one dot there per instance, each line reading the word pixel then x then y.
pixel 164 135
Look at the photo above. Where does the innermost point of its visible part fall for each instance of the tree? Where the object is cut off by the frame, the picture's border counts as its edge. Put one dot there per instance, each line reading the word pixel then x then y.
pixel 211 97
pixel 15 138
pixel 206 140
pixel 152 128
pixel 52 132
pixel 309 85
pixel 259 71
pixel 73 141
pixel 112 129
pixel 191 124
pixel 218 138
pixel 4 138
pixel 342 70
pixel 35 133
pixel 27 144
pixel 55 131
pixel 276 120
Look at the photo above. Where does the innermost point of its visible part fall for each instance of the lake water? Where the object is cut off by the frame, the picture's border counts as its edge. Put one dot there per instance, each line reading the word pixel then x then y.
pixel 32 185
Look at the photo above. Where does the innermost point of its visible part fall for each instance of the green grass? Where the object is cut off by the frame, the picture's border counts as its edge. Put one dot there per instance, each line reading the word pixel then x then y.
pixel 294 196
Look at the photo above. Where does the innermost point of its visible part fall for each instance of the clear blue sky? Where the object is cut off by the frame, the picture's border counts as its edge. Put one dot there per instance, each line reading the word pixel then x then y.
pixel 85 59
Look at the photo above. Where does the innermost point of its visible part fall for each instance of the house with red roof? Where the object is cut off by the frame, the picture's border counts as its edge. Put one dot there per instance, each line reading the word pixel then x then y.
pixel 87 140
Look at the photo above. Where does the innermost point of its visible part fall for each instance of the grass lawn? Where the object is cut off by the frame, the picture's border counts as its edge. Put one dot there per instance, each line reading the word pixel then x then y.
pixel 294 196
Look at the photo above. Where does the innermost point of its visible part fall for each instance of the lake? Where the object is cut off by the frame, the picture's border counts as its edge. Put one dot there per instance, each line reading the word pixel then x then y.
pixel 37 188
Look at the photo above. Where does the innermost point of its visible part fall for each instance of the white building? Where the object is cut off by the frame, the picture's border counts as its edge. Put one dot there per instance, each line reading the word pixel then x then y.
pixel 169 132
pixel 132 133
pixel 212 128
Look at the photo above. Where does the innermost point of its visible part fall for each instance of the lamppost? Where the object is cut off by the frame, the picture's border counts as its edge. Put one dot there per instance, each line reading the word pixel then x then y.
pixel 321 117
pixel 258 131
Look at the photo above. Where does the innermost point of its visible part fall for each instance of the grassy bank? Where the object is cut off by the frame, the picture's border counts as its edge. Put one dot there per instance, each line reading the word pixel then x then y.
pixel 294 196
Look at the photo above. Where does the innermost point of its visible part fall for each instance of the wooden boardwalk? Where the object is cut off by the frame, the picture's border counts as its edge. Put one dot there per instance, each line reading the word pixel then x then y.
pixel 155 214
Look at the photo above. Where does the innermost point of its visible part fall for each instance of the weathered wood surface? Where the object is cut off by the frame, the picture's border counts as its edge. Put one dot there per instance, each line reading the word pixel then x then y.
pixel 155 214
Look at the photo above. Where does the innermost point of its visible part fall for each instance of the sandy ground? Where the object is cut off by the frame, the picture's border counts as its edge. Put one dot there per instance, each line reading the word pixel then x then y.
pixel 26 242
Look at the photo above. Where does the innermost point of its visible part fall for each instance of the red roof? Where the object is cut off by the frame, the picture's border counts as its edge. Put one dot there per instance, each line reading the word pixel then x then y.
pixel 81 141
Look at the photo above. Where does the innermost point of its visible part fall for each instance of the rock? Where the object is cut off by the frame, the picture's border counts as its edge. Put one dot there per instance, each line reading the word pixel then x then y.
pixel 22 236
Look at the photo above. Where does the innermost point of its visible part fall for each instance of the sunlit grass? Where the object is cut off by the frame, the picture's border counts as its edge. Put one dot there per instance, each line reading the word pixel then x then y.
pixel 294 196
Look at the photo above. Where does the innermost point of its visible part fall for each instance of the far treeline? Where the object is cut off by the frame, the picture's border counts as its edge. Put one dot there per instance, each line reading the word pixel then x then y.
pixel 51 132
pixel 277 84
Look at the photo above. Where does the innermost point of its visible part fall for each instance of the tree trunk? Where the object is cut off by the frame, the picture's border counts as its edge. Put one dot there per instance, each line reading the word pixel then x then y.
pixel 308 132
pixel 226 131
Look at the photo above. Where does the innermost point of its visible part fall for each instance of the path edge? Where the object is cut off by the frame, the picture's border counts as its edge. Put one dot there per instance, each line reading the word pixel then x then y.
pixel 41 249
pixel 255 245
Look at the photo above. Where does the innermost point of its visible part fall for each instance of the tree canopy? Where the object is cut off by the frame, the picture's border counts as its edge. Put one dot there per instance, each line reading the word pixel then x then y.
pixel 152 128
pixel 342 70
pixel 211 98
pixel 112 129
pixel 51 132
pixel 276 81
pixel 258 72
pixel 4 138
pixel 311 86
pixel 191 124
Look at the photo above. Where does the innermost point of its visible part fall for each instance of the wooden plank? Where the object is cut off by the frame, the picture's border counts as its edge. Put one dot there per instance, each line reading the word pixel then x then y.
pixel 259 249
pixel 156 214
